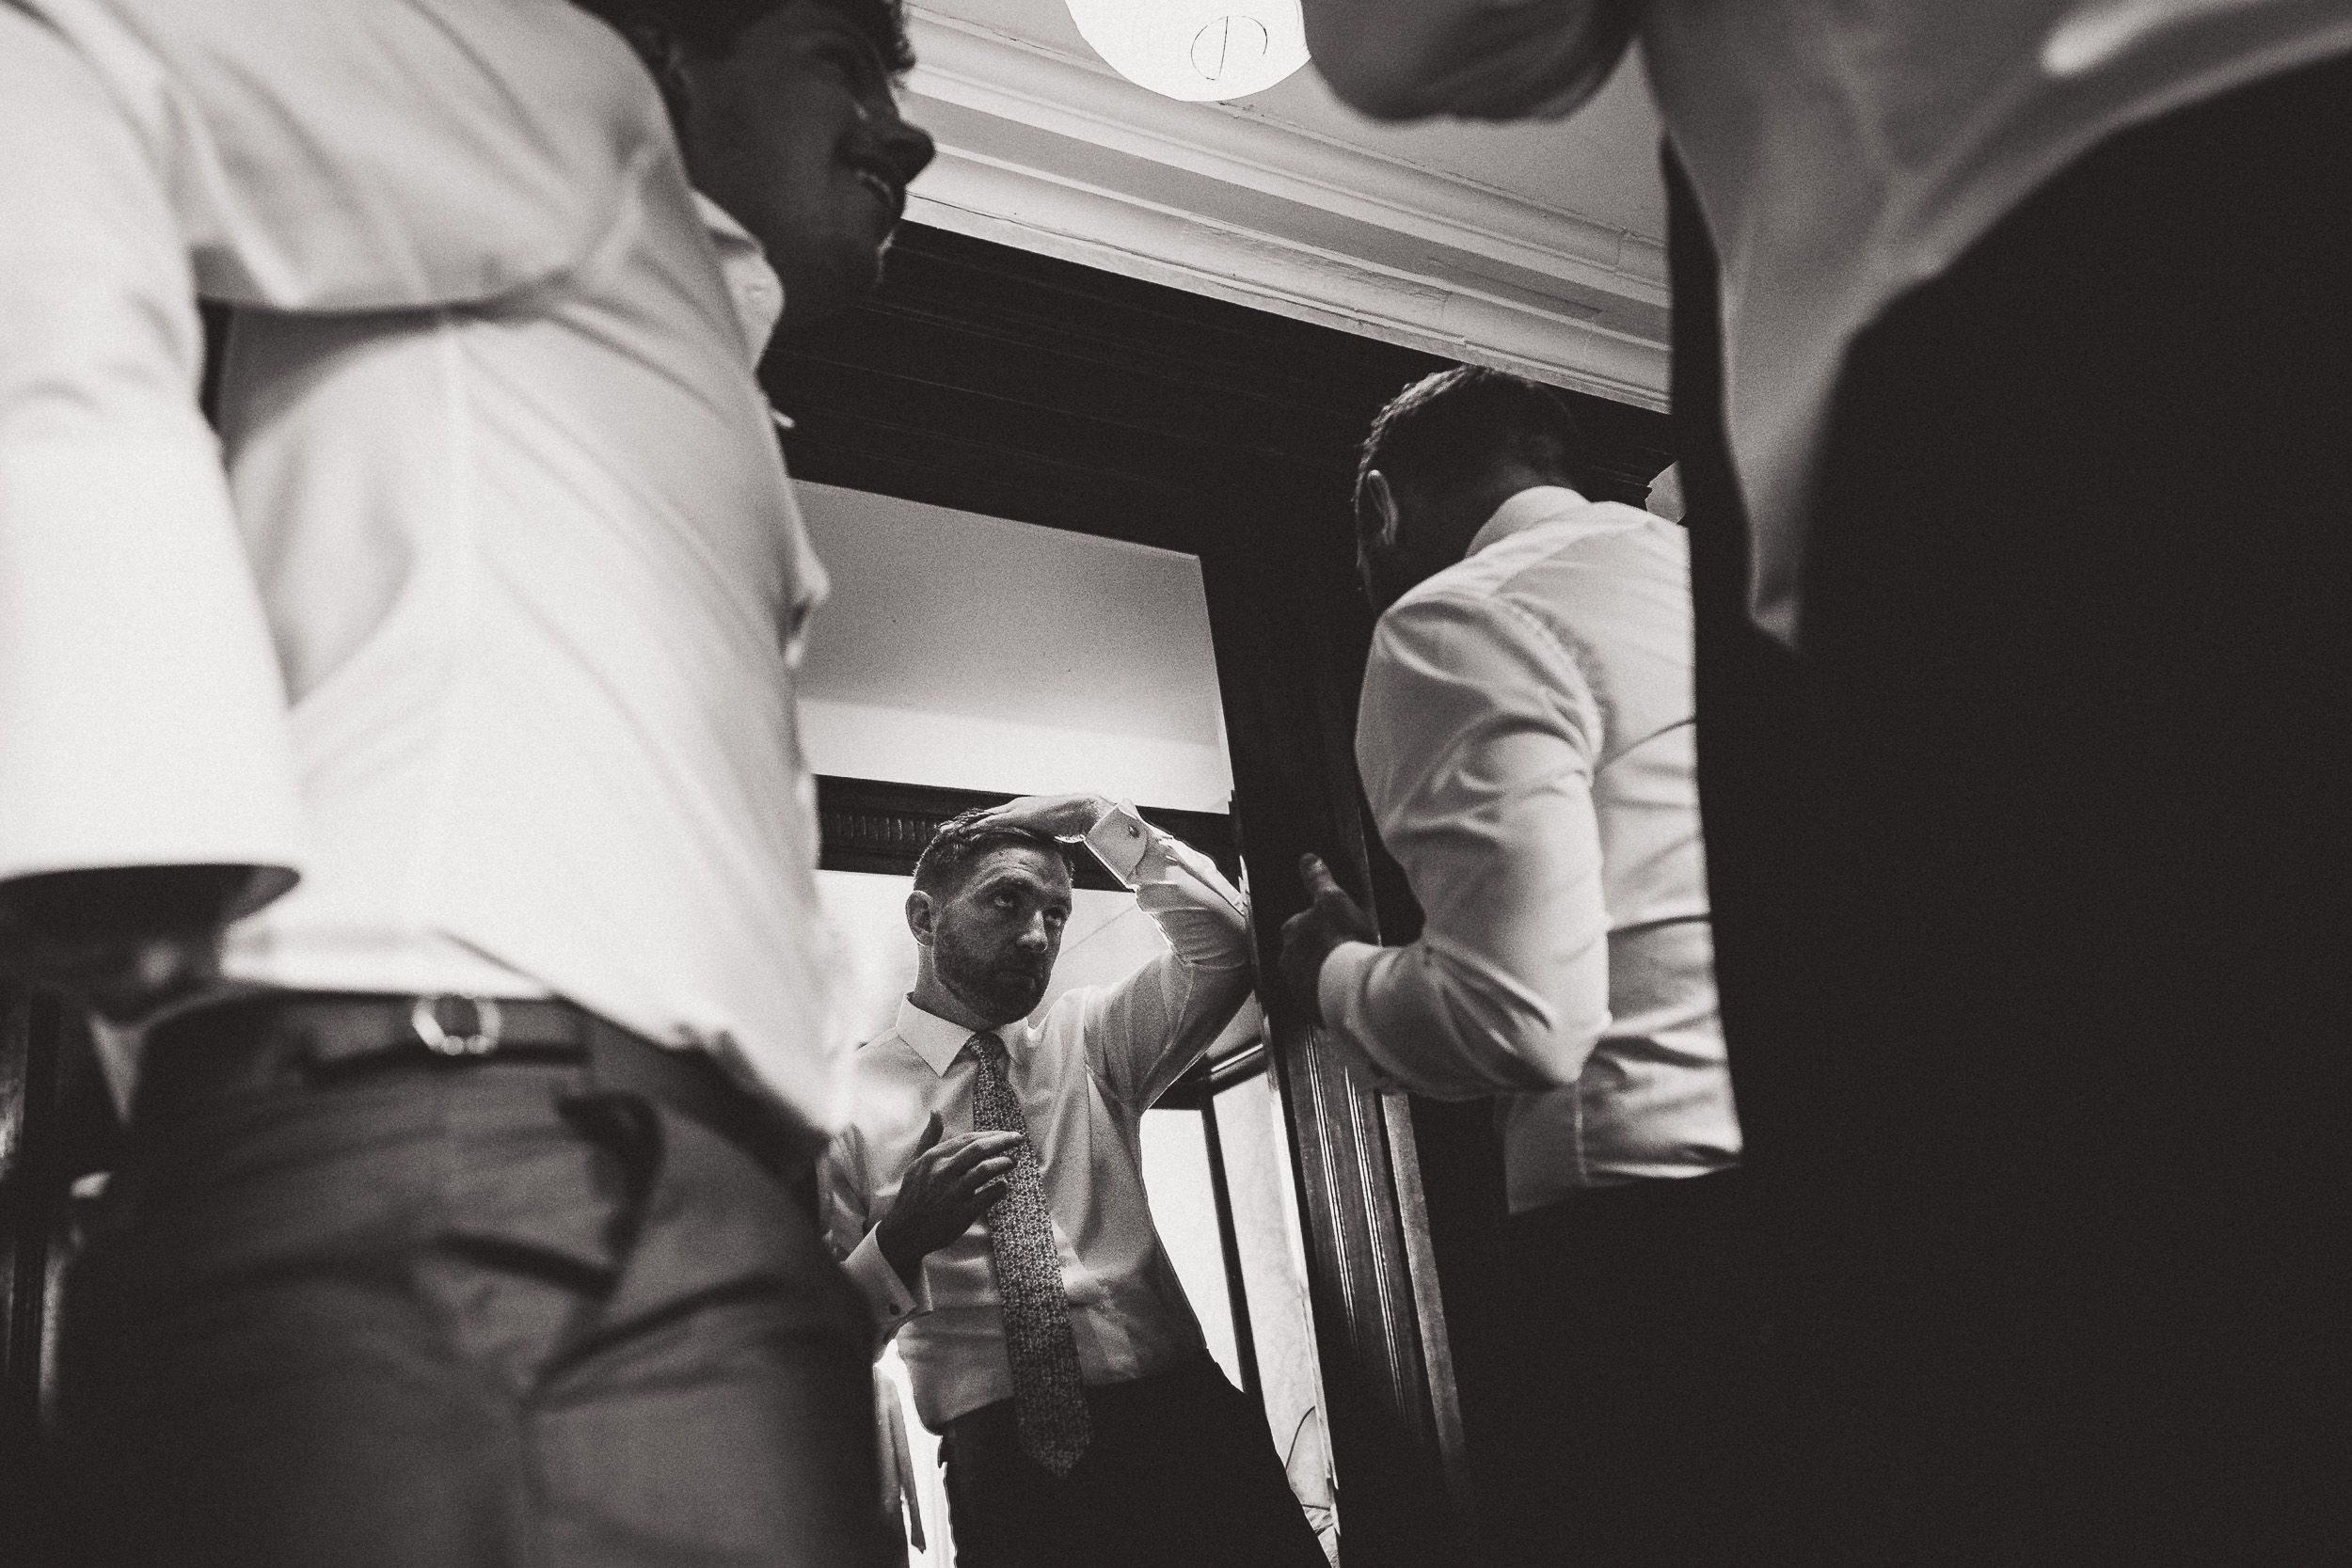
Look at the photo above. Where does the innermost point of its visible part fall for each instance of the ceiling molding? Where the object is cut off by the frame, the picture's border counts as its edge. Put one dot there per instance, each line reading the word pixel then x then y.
pixel 1046 152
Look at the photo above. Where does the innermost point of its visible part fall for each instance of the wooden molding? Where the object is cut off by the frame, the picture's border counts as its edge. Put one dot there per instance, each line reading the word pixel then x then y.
pixel 1047 154
pixel 877 826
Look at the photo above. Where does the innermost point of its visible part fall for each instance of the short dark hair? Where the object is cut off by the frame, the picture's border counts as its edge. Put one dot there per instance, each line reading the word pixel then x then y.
pixel 959 843
pixel 1445 428
pixel 713 26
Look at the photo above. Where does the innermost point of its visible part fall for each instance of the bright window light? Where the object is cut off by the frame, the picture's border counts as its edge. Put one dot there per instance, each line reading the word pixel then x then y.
pixel 1202 51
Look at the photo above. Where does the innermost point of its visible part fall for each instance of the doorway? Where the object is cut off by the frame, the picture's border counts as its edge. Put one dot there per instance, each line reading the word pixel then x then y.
pixel 987 380
pixel 963 659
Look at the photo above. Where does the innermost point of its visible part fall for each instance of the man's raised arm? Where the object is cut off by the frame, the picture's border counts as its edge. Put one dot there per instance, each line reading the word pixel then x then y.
pixel 1145 1031
pixel 1479 59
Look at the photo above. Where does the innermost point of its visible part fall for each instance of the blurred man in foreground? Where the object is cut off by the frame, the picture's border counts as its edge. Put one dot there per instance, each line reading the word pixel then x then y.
pixel 455 1227
pixel 2016 498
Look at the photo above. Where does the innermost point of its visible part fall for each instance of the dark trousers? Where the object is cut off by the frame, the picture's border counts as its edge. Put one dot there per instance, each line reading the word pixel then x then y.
pixel 460 1316
pixel 1181 1473
pixel 2032 874
pixel 1626 1407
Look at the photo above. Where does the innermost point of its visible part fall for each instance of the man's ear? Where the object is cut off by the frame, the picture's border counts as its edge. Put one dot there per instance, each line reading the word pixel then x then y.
pixel 922 917
pixel 1376 516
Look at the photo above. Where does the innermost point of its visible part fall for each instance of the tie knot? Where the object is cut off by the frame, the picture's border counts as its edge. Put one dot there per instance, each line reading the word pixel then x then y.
pixel 985 1046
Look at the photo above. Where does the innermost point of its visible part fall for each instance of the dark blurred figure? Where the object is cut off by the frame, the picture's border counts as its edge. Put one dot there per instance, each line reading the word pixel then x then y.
pixel 2011 368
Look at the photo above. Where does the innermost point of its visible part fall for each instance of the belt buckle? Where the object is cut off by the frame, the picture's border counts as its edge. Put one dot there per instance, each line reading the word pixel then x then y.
pixel 424 1021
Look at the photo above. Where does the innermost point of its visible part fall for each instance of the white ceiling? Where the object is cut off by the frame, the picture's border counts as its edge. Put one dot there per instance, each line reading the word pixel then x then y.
pixel 1602 164
pixel 1536 248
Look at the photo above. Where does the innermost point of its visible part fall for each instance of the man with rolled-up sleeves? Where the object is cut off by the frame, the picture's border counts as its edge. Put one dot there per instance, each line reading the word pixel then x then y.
pixel 456 1224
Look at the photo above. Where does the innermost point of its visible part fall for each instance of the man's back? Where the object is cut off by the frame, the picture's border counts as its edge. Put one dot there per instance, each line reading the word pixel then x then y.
pixel 1525 739
pixel 1570 620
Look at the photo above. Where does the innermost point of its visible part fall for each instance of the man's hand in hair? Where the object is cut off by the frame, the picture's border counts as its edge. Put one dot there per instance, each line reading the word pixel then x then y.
pixel 1064 816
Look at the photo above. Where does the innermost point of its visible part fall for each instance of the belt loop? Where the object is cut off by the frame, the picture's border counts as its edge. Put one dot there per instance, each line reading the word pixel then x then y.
pixel 425 1020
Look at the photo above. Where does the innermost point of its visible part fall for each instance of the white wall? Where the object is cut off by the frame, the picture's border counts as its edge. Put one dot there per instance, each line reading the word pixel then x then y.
pixel 968 652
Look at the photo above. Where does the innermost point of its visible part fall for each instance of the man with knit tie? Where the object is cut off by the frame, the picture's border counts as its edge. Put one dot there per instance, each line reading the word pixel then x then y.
pixel 987 1196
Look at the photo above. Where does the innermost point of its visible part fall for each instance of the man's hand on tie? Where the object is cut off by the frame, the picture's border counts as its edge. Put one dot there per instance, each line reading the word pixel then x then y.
pixel 952 1182
pixel 1309 936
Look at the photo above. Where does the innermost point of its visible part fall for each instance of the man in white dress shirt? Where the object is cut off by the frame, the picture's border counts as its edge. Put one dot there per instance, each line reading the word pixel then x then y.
pixel 1525 742
pixel 456 1226
pixel 1052 1346
pixel 2012 369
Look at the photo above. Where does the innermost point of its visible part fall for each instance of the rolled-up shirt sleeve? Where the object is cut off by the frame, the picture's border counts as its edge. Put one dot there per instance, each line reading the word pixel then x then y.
pixel 1476 743
pixel 145 719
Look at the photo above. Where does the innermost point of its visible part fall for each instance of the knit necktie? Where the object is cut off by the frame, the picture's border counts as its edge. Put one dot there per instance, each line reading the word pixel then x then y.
pixel 1049 1403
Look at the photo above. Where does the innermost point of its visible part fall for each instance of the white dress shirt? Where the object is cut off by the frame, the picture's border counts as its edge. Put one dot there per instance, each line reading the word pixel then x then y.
pixel 1845 150
pixel 522 543
pixel 1085 1074
pixel 118 745
pixel 1525 741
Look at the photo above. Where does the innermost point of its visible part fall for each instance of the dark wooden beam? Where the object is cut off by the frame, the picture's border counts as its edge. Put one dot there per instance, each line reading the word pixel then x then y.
pixel 36 1175
pixel 878 826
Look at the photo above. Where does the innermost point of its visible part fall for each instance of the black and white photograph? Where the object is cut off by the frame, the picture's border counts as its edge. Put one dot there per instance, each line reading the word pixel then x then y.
pixel 1175 783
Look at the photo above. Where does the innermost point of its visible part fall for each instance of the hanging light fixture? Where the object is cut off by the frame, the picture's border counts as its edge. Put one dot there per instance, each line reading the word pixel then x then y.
pixel 1202 51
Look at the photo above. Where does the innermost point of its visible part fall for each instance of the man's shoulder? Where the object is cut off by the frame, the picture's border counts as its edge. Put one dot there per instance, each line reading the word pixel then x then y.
pixel 493 144
pixel 876 1046
pixel 885 1056
pixel 1605 542
pixel 1600 598
pixel 883 1072
pixel 1587 549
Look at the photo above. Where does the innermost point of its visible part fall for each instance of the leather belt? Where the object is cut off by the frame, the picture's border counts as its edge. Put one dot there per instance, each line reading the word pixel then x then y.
pixel 319 1039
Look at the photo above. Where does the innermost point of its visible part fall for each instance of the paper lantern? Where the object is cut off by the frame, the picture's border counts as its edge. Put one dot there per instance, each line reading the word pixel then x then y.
pixel 1202 51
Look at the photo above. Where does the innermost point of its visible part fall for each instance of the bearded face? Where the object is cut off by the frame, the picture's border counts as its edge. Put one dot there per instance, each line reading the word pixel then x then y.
pixel 995 939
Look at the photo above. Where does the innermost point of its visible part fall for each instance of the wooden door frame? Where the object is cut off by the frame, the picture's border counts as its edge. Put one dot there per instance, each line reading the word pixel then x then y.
pixel 1000 382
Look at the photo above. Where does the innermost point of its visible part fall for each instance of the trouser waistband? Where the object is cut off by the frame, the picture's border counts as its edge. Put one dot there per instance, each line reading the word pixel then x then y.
pixel 324 1038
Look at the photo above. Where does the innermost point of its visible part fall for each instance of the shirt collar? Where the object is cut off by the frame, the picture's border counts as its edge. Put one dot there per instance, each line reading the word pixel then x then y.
pixel 1530 507
pixel 938 1041
pixel 752 283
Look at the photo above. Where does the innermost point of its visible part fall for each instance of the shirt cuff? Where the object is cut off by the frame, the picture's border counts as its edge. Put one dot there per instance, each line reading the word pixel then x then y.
pixel 886 1295
pixel 1120 839
pixel 1340 990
